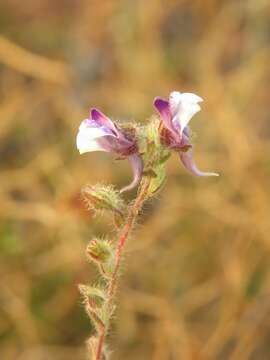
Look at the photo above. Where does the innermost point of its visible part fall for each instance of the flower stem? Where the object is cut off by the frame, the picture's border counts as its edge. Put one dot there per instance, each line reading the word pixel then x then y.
pixel 127 228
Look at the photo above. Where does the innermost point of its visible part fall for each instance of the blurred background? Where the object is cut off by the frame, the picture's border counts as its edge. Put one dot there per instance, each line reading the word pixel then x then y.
pixel 196 282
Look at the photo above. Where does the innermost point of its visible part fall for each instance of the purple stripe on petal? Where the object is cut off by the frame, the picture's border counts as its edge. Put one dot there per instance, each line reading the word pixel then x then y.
pixel 188 162
pixel 163 108
pixel 137 167
pixel 95 126
pixel 102 119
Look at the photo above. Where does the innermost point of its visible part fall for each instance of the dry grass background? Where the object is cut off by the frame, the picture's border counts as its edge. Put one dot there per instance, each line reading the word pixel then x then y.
pixel 196 282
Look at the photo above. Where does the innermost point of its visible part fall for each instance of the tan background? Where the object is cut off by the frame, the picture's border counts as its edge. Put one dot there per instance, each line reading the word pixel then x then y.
pixel 196 275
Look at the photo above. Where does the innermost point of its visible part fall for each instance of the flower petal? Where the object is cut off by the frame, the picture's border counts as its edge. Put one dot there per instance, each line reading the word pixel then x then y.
pixel 188 162
pixel 102 119
pixel 163 107
pixel 183 107
pixel 174 102
pixel 137 167
pixel 85 146
pixel 185 113
pixel 191 98
pixel 185 143
pixel 87 138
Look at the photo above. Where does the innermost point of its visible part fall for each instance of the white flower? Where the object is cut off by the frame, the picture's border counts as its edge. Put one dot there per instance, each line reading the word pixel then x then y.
pixel 175 114
pixel 183 107
pixel 99 133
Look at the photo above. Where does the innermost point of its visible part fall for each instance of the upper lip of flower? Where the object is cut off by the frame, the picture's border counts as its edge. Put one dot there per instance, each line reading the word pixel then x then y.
pixel 102 120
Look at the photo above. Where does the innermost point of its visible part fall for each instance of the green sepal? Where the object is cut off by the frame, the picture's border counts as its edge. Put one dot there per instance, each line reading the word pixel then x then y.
pixel 158 180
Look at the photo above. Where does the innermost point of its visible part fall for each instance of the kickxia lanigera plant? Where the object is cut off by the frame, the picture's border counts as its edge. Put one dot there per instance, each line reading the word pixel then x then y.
pixel 147 147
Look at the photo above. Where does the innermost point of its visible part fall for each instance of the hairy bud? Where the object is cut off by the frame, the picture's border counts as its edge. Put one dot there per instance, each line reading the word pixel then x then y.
pixel 94 299
pixel 101 197
pixel 94 296
pixel 99 250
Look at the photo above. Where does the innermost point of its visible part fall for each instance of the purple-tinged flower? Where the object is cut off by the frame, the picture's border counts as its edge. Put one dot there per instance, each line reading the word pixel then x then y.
pixel 99 133
pixel 175 115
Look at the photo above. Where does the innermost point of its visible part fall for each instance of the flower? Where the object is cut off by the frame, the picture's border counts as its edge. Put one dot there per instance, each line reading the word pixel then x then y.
pixel 99 133
pixel 175 115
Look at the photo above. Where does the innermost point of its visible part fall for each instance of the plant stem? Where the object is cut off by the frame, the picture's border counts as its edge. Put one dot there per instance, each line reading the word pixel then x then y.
pixel 132 214
pixel 100 345
pixel 131 217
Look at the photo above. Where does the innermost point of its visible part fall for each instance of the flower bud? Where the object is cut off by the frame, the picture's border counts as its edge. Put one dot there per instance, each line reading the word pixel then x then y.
pixel 94 299
pixel 93 296
pixel 99 250
pixel 101 197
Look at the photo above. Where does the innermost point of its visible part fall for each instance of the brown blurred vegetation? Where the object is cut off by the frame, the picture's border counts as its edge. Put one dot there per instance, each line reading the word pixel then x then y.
pixel 196 274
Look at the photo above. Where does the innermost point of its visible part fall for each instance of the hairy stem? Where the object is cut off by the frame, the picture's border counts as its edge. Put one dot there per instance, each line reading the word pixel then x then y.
pixel 132 214
pixel 101 339
pixel 127 228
